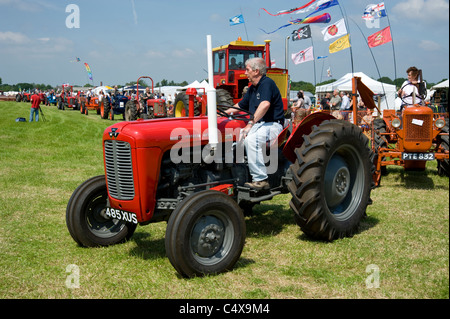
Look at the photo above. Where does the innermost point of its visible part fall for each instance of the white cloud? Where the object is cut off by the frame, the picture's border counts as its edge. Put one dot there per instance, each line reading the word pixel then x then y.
pixel 428 45
pixel 183 53
pixel 9 37
pixel 423 10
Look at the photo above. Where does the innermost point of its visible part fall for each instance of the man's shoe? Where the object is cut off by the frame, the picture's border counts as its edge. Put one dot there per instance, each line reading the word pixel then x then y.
pixel 258 186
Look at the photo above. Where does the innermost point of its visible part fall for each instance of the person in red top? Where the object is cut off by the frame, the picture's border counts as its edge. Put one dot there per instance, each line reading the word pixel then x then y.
pixel 35 102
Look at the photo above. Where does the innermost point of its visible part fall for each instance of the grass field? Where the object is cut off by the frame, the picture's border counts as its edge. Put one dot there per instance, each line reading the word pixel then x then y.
pixel 401 252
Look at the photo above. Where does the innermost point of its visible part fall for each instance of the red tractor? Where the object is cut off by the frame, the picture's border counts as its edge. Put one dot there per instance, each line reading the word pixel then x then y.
pixel 411 138
pixel 67 98
pixel 229 78
pixel 178 170
pixel 143 107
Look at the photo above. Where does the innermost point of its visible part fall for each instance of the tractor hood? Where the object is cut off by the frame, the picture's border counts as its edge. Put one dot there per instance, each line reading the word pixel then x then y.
pixel 164 133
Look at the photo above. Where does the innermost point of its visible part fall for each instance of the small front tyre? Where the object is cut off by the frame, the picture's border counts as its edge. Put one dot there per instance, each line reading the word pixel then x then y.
pixel 205 234
pixel 86 219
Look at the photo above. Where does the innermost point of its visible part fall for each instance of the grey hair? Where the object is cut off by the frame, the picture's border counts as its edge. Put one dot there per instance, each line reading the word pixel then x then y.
pixel 257 64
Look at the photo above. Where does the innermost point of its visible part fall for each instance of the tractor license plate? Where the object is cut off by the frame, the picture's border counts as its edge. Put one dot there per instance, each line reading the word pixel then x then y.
pixel 121 215
pixel 418 156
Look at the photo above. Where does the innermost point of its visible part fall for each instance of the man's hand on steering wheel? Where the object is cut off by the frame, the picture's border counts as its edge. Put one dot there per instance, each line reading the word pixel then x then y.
pixel 246 116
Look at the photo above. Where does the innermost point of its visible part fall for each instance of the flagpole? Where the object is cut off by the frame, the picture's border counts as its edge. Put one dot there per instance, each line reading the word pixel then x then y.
pixel 245 26
pixel 348 31
pixel 373 57
pixel 314 59
pixel 393 51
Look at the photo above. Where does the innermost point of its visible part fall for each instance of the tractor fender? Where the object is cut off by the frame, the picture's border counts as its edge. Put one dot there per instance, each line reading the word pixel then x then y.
pixel 305 127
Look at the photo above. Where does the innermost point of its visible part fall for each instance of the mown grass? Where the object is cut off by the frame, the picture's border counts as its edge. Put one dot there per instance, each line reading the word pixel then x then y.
pixel 405 236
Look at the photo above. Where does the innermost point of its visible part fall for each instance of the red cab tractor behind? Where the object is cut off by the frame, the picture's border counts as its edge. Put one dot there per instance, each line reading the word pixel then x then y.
pixel 410 139
pixel 229 77
pixel 145 108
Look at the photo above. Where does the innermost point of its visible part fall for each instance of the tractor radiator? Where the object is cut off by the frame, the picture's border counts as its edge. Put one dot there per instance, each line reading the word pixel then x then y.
pixel 119 170
pixel 414 132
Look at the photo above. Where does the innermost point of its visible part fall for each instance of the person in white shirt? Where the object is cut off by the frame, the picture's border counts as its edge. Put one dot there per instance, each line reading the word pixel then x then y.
pixel 345 105
pixel 409 92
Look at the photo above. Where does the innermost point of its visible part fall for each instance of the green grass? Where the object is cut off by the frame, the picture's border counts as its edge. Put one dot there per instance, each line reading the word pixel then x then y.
pixel 406 233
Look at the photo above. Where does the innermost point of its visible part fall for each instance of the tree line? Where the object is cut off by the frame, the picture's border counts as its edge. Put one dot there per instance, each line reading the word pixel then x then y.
pixel 295 85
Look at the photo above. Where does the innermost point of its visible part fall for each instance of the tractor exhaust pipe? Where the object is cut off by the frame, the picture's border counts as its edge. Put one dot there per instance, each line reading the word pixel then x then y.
pixel 212 101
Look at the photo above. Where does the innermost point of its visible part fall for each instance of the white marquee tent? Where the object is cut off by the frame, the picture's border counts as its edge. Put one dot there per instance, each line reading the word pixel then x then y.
pixel 387 92
pixel 441 85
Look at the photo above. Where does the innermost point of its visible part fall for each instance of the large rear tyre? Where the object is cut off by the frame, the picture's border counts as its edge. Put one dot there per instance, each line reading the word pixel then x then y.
pixel 205 234
pixel 130 111
pixel 332 180
pixel 86 219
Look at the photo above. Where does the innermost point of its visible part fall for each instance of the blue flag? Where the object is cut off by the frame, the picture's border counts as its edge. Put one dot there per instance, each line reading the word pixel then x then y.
pixel 238 19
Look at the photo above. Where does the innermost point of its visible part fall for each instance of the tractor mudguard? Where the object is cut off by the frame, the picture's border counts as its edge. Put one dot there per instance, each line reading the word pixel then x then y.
pixel 305 127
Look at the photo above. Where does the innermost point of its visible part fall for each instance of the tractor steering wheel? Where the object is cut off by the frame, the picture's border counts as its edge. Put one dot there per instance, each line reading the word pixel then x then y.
pixel 421 95
pixel 247 116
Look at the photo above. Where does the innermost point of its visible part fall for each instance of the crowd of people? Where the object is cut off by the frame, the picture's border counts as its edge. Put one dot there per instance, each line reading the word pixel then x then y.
pixel 339 104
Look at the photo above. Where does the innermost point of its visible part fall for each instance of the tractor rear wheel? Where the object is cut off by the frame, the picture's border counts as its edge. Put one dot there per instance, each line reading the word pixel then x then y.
pixel 130 111
pixel 205 234
pixel 181 106
pixel 332 180
pixel 86 219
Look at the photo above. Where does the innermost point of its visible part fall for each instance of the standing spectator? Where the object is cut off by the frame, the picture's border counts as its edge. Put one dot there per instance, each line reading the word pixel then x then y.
pixel 335 101
pixel 298 108
pixel 345 105
pixel 307 100
pixel 325 102
pixel 35 101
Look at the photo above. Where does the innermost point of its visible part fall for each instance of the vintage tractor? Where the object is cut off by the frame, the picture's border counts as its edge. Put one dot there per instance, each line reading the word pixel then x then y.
pixel 411 138
pixel 89 104
pixel 113 105
pixel 191 172
pixel 229 78
pixel 145 108
pixel 67 98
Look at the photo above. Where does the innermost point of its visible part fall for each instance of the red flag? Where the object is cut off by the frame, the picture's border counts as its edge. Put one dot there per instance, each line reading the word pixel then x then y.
pixel 380 37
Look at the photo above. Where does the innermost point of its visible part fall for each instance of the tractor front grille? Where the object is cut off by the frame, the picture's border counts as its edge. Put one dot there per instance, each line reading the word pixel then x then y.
pixel 416 132
pixel 119 170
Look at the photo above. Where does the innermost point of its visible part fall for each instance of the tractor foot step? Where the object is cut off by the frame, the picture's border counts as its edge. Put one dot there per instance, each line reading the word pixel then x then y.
pixel 253 196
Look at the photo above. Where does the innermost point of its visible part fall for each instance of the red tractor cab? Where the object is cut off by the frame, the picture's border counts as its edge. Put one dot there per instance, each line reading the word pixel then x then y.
pixel 229 77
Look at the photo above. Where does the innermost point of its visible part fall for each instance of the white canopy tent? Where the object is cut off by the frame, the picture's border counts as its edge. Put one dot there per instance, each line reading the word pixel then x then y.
pixel 387 92
pixel 441 85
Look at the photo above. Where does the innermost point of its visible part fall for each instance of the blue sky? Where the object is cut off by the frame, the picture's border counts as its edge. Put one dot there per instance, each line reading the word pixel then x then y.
pixel 122 40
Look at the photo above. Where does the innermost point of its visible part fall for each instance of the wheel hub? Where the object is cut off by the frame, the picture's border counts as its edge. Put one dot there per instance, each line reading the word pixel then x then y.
pixel 337 181
pixel 207 236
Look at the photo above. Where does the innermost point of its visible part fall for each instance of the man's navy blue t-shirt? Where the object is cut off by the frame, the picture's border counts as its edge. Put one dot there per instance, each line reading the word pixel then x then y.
pixel 265 90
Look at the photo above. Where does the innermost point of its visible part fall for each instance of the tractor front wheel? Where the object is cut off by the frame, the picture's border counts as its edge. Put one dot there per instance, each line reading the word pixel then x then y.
pixel 86 216
pixel 205 234
pixel 332 180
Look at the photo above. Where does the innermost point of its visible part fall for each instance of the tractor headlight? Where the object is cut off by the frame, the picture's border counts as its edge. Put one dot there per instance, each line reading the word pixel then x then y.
pixel 440 123
pixel 396 123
